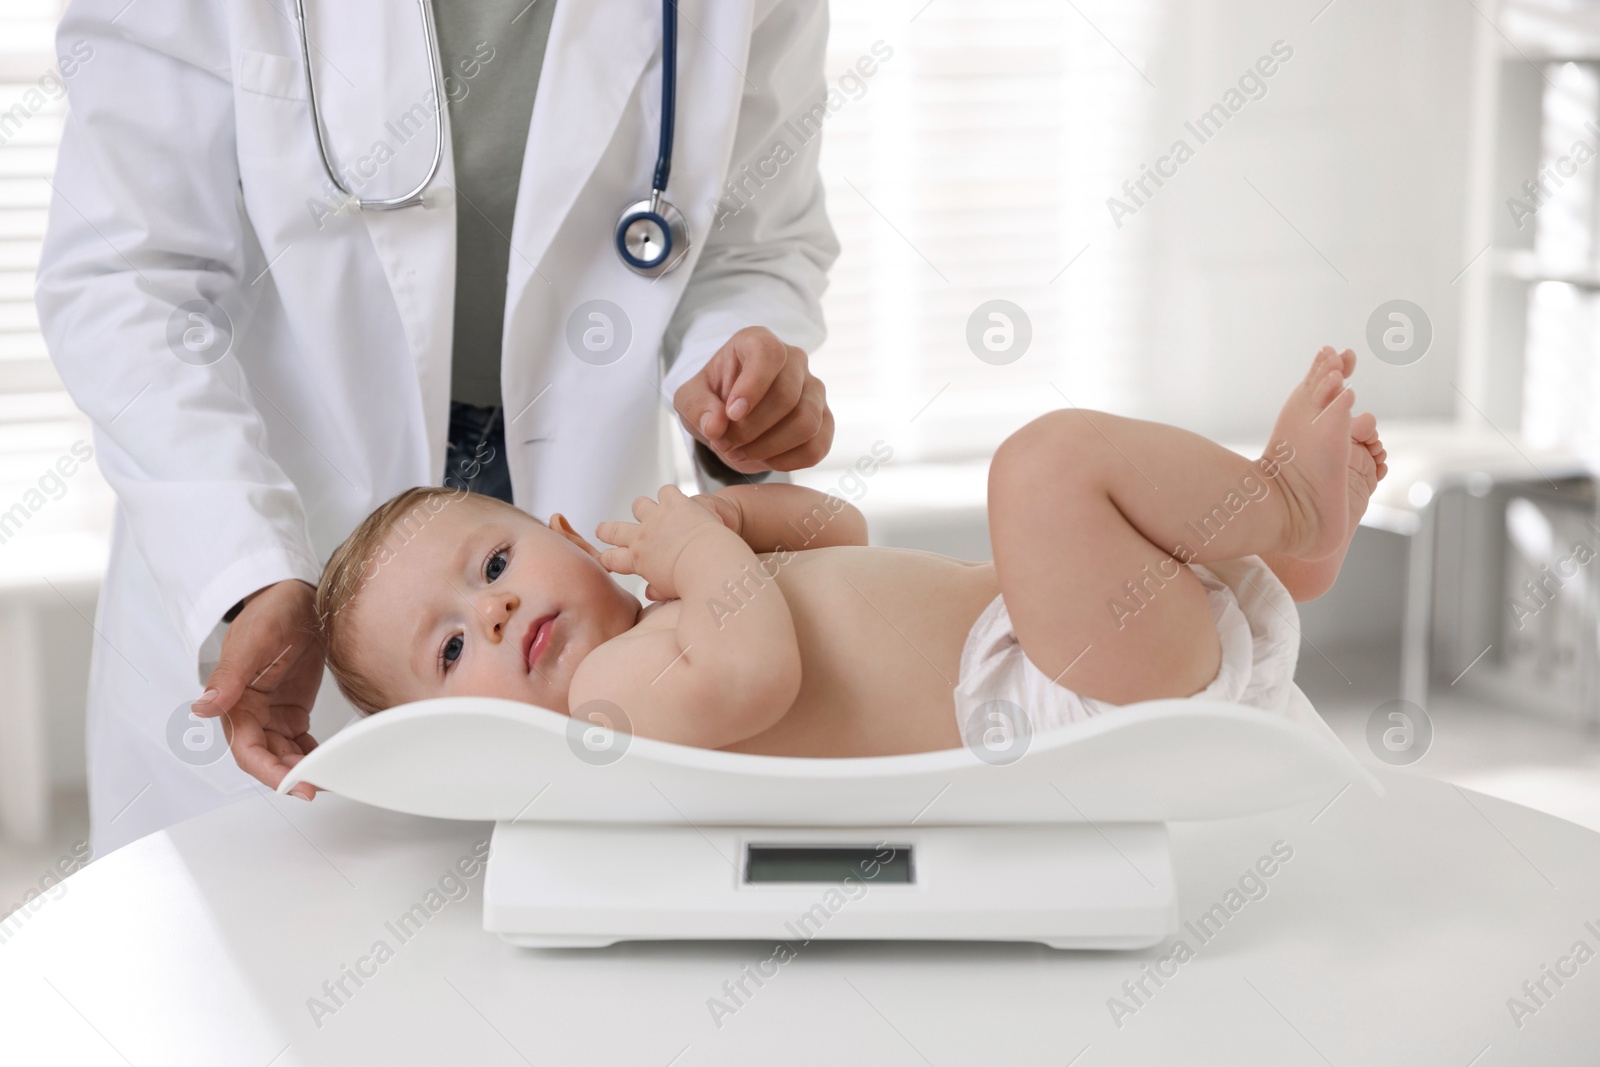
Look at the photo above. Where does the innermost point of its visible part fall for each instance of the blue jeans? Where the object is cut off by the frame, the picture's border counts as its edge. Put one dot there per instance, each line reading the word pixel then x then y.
pixel 475 455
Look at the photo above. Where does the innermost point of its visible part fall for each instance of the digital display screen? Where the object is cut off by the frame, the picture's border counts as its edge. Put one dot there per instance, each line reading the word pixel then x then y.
pixel 827 863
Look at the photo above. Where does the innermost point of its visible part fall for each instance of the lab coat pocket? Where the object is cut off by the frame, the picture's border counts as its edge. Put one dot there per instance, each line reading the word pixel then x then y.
pixel 270 75
pixel 277 155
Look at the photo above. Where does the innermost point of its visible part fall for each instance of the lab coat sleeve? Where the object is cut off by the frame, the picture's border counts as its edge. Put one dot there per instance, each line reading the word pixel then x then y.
pixel 145 216
pixel 765 261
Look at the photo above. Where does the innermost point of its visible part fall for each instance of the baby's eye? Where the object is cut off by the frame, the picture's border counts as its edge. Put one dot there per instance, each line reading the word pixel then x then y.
pixel 495 565
pixel 451 651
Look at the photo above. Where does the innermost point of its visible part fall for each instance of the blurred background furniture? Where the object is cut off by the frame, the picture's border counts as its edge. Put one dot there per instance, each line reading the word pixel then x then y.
pixel 35 577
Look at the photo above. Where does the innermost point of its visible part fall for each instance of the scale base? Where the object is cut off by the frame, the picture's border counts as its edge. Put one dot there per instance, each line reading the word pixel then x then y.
pixel 1065 885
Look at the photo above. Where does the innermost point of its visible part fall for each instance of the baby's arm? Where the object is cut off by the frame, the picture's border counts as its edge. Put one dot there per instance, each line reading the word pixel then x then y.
pixel 716 677
pixel 778 516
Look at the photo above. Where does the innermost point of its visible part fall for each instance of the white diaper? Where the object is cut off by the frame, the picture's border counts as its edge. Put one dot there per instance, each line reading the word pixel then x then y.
pixel 1256 620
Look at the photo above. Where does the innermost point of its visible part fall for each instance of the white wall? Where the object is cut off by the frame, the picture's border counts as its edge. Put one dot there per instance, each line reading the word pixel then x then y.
pixel 1360 142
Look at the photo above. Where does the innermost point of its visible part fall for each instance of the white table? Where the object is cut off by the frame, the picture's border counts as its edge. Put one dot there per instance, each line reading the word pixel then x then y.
pixel 1394 935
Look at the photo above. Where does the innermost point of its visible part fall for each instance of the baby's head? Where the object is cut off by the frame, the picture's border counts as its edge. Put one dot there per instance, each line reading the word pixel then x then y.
pixel 441 592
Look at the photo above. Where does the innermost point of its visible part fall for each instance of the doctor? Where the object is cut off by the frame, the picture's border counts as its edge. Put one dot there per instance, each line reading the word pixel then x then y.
pixel 270 345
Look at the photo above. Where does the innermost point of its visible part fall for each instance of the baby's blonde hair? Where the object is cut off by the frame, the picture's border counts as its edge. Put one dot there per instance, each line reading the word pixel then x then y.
pixel 354 563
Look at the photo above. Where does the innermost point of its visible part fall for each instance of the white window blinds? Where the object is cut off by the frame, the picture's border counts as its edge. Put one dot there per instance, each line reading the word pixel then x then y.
pixel 973 165
pixel 1555 210
pixel 32 101
pixel 46 490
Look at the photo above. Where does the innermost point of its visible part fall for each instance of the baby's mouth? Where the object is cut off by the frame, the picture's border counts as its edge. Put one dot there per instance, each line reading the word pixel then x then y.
pixel 537 640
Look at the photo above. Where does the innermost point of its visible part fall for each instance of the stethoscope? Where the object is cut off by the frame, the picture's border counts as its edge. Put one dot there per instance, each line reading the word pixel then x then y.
pixel 652 237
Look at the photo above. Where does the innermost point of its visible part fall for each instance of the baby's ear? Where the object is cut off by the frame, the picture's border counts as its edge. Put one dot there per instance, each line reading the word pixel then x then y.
pixel 559 524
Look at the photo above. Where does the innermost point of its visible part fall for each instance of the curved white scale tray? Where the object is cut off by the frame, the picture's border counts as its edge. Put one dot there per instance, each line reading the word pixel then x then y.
pixel 489 759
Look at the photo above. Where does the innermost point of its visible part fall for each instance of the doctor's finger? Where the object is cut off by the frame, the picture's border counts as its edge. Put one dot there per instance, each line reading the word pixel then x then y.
pixel 251 753
pixel 808 454
pixel 297 749
pixel 700 409
pixel 804 422
pixel 267 644
pixel 776 400
pixel 251 657
pixel 761 359
pixel 286 751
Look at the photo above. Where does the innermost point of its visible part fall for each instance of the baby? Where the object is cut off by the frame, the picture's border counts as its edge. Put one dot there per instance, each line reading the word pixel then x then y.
pixel 774 628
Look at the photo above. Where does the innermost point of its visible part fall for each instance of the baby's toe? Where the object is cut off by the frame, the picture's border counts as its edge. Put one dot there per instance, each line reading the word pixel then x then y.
pixel 1326 389
pixel 1321 364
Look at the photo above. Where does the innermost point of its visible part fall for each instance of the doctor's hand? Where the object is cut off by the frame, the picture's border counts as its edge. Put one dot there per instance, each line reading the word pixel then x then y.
pixel 757 405
pixel 266 682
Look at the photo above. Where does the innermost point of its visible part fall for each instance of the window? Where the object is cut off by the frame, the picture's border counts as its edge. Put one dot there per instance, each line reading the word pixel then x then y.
pixel 973 165
pixel 32 102
pixel 1530 361
pixel 38 422
pixel 1563 313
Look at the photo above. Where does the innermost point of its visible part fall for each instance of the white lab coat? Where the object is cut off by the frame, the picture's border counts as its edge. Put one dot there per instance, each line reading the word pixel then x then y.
pixel 188 170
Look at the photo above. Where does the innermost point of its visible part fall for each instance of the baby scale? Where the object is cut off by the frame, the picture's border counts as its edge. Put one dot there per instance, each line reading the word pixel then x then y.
pixel 603 837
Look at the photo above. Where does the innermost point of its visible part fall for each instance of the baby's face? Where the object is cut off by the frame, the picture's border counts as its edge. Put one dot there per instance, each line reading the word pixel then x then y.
pixel 484 601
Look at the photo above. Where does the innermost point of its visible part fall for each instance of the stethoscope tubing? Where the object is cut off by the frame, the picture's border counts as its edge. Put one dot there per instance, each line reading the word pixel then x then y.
pixel 408 199
pixel 669 93
pixel 662 213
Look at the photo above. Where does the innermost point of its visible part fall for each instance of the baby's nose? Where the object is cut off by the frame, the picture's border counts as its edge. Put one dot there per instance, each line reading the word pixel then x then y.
pixel 501 608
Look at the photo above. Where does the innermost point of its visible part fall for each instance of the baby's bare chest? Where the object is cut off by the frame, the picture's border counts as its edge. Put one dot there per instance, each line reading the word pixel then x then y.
pixel 880 633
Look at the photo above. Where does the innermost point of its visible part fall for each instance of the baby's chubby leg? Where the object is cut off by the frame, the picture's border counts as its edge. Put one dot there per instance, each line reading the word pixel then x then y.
pixel 1091 517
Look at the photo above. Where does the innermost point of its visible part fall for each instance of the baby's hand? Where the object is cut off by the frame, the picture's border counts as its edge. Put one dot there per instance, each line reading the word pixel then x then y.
pixel 651 546
pixel 724 509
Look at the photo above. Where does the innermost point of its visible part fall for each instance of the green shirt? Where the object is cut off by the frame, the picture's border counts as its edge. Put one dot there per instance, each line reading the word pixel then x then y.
pixel 491 52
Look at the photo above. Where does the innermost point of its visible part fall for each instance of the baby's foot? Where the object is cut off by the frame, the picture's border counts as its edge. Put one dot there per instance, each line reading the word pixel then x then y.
pixel 1309 579
pixel 1309 456
pixel 1367 466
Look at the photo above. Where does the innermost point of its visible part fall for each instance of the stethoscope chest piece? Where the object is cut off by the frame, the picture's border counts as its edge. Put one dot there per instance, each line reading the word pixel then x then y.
pixel 652 236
